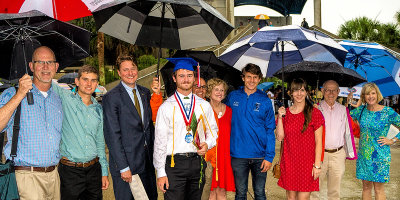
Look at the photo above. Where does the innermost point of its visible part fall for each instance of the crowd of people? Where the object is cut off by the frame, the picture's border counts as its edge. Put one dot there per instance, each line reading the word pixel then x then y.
pixel 63 136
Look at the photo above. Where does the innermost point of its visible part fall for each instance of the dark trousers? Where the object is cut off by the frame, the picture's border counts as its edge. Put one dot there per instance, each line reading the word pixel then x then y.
pixel 122 191
pixel 80 183
pixel 184 178
pixel 241 168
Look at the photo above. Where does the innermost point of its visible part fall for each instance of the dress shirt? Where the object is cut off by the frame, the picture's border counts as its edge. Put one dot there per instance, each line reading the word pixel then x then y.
pixel 167 118
pixel 82 137
pixel 40 129
pixel 335 124
pixel 130 92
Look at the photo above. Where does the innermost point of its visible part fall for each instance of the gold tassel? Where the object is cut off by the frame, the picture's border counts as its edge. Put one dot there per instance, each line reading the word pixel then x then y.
pixel 173 139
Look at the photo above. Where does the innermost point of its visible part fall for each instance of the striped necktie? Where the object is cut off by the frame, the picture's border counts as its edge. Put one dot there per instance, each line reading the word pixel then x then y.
pixel 137 105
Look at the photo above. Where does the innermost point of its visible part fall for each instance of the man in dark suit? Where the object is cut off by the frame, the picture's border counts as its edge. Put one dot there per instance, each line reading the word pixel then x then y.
pixel 129 132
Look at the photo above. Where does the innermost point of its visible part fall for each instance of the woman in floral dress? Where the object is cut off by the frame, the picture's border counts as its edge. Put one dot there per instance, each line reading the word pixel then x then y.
pixel 374 158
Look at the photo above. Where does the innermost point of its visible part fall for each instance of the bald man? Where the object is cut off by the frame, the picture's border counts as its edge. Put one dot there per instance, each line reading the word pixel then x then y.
pixel 40 129
pixel 339 142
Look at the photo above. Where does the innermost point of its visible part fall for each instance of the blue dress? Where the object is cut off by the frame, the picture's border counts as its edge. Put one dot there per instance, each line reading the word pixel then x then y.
pixel 373 161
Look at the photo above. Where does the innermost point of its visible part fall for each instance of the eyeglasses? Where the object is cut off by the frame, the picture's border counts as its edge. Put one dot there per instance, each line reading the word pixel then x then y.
pixel 49 62
pixel 331 91
pixel 201 87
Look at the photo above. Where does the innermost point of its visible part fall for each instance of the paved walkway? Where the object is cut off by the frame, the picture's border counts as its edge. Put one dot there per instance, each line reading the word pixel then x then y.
pixel 351 187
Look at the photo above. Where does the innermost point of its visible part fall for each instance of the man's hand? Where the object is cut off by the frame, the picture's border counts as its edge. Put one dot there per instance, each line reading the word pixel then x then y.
pixel 203 149
pixel 127 176
pixel 25 84
pixel 161 182
pixel 265 166
pixel 104 182
pixel 156 85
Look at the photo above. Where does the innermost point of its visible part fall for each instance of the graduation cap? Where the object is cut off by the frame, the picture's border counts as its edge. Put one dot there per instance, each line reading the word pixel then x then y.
pixel 183 63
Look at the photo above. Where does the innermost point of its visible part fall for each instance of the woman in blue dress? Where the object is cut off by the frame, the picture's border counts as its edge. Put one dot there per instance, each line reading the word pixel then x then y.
pixel 374 158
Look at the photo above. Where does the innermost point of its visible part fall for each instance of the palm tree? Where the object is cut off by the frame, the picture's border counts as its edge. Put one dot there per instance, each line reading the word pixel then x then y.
pixel 397 16
pixel 361 28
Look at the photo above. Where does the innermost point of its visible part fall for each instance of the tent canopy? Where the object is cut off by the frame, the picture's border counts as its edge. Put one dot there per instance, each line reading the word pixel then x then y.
pixel 285 7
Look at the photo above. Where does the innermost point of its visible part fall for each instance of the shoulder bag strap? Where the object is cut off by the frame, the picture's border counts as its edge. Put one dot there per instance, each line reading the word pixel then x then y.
pixel 16 128
pixel 1 144
pixel 280 152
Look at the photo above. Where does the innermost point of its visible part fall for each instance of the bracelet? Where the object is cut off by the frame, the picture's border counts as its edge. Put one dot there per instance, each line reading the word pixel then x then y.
pixel 316 167
pixel 394 141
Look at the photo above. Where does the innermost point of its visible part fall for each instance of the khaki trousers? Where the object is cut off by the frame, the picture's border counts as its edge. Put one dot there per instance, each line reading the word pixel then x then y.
pixel 38 185
pixel 331 175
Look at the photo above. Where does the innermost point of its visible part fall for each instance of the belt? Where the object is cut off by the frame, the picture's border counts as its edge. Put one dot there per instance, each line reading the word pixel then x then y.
pixel 36 169
pixel 188 155
pixel 67 162
pixel 333 150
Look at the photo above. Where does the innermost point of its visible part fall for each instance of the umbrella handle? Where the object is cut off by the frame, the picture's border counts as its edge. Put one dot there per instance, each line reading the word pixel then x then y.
pixel 29 97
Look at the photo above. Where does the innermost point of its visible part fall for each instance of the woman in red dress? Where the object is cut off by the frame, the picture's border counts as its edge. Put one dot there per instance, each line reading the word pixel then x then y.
pixel 219 156
pixel 300 128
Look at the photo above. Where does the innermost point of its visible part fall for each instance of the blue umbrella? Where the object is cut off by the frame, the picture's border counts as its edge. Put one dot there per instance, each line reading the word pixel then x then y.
pixel 265 86
pixel 375 63
pixel 296 44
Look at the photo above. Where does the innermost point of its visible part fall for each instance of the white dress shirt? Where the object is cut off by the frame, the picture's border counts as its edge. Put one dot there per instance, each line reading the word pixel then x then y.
pixel 166 118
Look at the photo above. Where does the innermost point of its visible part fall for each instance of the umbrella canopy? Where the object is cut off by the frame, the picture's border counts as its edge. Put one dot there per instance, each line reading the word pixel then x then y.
pixel 344 91
pixel 374 62
pixel 265 86
pixel 184 24
pixel 316 73
pixel 68 78
pixel 210 67
pixel 58 9
pixel 264 48
pixel 20 34
pixel 261 16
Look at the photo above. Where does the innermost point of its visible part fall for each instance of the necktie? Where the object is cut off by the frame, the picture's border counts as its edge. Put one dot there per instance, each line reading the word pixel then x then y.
pixel 137 105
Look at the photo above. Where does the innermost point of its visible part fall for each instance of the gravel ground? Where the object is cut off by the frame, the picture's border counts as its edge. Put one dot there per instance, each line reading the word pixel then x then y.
pixel 351 187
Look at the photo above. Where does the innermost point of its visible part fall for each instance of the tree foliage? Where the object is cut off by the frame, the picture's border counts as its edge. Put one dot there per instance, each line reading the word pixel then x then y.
pixel 366 29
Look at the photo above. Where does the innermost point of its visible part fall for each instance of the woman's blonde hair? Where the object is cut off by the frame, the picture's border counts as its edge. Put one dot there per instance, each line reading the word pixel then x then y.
pixel 367 88
pixel 212 83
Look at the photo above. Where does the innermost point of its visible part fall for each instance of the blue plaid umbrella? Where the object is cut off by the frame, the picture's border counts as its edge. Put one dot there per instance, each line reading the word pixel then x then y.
pixel 375 63
pixel 271 48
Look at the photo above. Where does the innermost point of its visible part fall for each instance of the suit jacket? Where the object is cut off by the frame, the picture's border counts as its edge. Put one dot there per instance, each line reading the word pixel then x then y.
pixel 125 133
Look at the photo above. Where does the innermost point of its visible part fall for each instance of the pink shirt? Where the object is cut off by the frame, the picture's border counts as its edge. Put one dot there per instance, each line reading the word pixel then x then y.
pixel 335 124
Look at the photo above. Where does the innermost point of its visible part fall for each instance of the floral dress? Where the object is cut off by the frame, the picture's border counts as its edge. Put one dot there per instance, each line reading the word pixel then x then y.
pixel 373 161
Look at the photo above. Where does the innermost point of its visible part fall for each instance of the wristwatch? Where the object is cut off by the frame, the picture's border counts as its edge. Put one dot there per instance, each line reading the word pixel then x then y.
pixel 394 140
pixel 316 167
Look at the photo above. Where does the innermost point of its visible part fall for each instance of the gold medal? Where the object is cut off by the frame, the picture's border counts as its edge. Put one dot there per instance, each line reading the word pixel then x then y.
pixel 188 128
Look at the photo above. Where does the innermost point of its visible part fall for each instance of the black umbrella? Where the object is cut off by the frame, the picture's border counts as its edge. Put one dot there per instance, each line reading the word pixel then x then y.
pixel 316 73
pixel 21 33
pixel 172 24
pixel 68 78
pixel 210 67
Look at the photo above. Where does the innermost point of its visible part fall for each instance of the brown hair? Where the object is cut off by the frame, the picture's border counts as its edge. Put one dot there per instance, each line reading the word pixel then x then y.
pixel 367 88
pixel 123 58
pixel 297 84
pixel 87 69
pixel 253 69
pixel 212 83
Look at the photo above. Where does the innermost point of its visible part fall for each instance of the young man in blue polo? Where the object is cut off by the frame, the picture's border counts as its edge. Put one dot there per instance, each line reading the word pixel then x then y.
pixel 252 134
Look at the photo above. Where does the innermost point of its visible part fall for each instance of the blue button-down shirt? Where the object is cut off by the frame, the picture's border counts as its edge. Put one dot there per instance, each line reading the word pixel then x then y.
pixel 40 129
pixel 82 129
pixel 130 92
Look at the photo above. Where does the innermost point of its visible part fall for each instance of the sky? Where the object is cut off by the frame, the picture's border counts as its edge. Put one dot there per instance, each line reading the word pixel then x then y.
pixel 334 12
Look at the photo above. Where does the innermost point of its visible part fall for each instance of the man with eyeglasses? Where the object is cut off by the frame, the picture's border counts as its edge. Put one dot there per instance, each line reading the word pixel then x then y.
pixel 339 142
pixel 40 129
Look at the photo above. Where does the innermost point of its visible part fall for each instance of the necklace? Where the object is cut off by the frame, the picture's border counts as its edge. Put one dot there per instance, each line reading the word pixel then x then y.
pixel 219 110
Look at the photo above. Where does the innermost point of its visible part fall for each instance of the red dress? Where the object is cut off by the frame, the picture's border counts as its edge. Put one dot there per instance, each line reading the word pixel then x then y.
pixel 299 152
pixel 225 173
